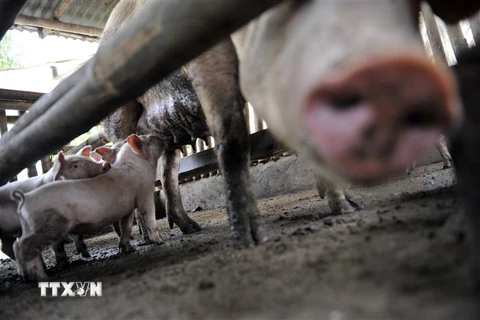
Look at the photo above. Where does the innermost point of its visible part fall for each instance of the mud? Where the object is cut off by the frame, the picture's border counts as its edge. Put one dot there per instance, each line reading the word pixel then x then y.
pixel 403 256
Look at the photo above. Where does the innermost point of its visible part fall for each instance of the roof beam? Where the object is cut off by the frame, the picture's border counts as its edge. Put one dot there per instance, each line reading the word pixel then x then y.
pixel 58 25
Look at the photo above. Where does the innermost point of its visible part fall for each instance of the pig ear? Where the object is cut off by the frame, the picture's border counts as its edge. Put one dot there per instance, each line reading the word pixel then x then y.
pixel 85 151
pixel 61 157
pixel 57 166
pixel 95 156
pixel 103 151
pixel 135 143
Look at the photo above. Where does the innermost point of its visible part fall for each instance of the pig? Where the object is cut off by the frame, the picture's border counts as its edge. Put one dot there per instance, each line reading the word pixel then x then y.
pixel 49 213
pixel 199 100
pixel 109 154
pixel 70 167
pixel 365 102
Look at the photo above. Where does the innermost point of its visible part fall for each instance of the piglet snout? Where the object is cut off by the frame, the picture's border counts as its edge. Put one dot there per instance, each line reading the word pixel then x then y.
pixel 380 116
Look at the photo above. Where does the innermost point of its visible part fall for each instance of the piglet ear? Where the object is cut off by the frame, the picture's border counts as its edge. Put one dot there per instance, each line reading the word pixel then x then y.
pixel 61 157
pixel 135 143
pixel 57 166
pixel 85 151
pixel 95 156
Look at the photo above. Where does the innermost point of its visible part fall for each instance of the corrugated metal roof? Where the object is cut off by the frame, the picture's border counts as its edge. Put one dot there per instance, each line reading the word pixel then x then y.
pixel 74 17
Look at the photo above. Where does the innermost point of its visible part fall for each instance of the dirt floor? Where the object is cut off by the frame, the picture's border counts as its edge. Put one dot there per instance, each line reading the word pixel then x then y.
pixel 403 256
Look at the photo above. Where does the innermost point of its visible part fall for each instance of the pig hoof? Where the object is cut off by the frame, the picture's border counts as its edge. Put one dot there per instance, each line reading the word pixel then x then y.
pixel 447 165
pixel 62 264
pixel 345 205
pixel 187 226
pixel 126 248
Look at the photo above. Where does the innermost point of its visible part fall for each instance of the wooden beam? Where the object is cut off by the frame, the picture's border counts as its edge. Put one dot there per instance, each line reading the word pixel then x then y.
pixel 167 35
pixel 18 95
pixel 262 145
pixel 58 25
pixel 15 105
pixel 9 9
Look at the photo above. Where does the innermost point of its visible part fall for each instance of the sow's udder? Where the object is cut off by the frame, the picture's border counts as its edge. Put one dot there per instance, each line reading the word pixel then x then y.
pixel 379 117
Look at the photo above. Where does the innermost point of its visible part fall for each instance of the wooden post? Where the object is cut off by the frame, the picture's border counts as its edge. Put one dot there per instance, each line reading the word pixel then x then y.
pixel 32 171
pixel 176 31
pixel 433 34
pixel 475 27
pixel 46 164
pixel 3 122
pixel 9 9
pixel 457 39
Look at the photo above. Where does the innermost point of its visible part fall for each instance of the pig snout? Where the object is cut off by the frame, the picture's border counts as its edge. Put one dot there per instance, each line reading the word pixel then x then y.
pixel 106 166
pixel 379 117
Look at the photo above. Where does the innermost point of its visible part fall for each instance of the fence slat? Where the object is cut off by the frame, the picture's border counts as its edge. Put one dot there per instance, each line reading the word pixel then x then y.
pixel 457 39
pixel 433 34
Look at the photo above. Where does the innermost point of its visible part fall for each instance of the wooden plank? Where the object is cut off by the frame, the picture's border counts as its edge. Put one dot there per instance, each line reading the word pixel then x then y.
pixel 15 105
pixel 262 145
pixel 18 95
pixel 176 31
pixel 9 9
pixel 58 25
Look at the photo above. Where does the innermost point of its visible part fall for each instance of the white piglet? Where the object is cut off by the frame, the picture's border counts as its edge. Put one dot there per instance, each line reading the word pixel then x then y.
pixel 84 206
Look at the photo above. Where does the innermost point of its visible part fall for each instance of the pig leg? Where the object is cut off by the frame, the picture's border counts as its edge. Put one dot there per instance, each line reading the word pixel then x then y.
pixel 338 200
pixel 175 211
pixel 7 247
pixel 146 210
pixel 80 245
pixel 58 248
pixel 412 167
pixel 30 265
pixel 215 80
pixel 142 228
pixel 443 150
pixel 126 224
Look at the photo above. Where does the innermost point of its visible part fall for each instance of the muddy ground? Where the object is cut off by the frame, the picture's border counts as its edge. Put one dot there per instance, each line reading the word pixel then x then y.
pixel 404 256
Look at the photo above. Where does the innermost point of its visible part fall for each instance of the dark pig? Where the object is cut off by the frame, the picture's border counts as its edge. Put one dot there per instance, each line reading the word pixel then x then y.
pixel 177 111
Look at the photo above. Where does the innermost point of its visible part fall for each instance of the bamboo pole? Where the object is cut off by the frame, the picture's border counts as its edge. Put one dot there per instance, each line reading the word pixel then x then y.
pixel 160 39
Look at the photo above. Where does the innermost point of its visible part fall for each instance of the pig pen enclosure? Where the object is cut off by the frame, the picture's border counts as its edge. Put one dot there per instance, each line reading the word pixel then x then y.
pixel 402 256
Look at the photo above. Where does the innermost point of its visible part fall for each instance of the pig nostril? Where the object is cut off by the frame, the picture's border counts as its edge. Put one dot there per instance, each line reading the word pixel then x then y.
pixel 345 101
pixel 420 119
pixel 369 133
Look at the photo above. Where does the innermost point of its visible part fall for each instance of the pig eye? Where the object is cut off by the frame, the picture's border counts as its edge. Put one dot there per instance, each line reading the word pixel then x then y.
pixel 76 165
pixel 346 101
